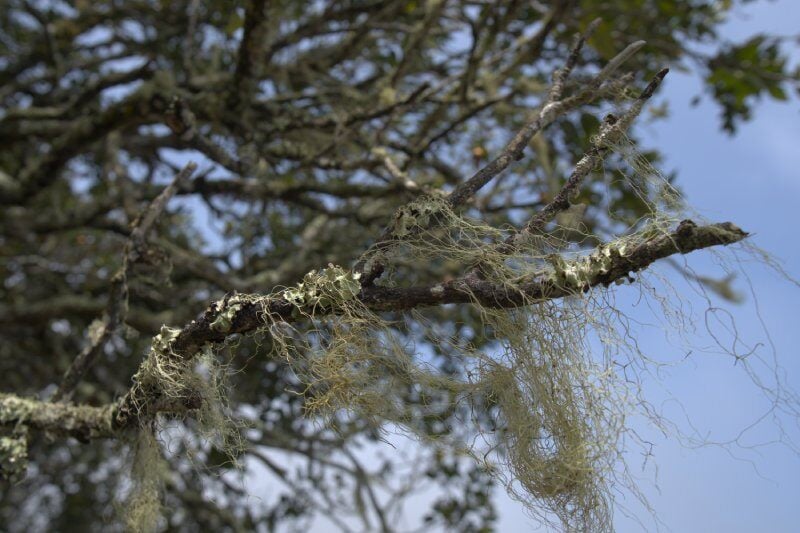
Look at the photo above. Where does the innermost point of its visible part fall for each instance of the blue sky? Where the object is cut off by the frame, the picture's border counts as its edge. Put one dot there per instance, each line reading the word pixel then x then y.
pixel 751 179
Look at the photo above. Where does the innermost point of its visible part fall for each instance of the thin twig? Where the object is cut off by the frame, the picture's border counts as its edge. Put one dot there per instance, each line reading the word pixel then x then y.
pixel 513 150
pixel 117 307
pixel 554 106
pixel 611 132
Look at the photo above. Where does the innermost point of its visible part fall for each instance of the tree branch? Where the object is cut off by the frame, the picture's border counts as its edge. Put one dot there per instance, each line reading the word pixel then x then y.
pixel 603 266
pixel 250 51
pixel 117 307
pixel 541 118
pixel 611 132
pixel 82 422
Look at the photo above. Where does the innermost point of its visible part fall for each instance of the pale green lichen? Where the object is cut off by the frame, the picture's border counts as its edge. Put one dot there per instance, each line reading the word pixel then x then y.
pixel 559 414
pixel 14 408
pixel 418 215
pixel 225 318
pixel 583 271
pixel 387 96
pixel 324 288
pixel 163 341
pixel 14 446
pixel 557 410
pixel 13 456
pixel 142 510
pixel 196 384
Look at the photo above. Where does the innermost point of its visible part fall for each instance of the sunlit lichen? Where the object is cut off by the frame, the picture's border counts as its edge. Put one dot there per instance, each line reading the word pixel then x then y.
pixel 324 288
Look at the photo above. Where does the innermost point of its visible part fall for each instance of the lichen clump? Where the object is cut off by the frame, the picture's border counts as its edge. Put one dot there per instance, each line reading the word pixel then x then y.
pixel 559 420
pixel 347 357
pixel 142 510
pixel 195 386
pixel 326 288
pixel 14 441
pixel 557 409
pixel 13 456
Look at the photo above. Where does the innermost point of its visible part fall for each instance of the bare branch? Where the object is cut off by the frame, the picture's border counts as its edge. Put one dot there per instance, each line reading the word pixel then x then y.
pixel 617 263
pixel 612 130
pixel 250 50
pixel 117 307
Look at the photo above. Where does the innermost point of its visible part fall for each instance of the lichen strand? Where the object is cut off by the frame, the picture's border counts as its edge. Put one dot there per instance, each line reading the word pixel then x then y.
pixel 166 382
pixel 161 377
pixel 558 417
pixel 558 409
pixel 559 424
pixel 347 358
pixel 142 507
pixel 177 384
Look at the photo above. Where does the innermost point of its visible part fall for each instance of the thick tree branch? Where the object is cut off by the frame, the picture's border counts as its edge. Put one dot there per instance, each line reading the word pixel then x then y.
pixel 605 265
pixel 44 169
pixel 251 51
pixel 82 422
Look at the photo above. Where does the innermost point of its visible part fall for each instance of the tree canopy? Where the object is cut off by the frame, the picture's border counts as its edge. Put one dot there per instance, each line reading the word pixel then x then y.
pixel 261 236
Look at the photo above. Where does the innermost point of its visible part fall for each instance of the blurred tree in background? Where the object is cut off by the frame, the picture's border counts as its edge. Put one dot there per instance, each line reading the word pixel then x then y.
pixel 310 124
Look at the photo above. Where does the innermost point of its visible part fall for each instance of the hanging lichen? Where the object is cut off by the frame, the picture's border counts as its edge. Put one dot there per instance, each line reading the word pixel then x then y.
pixel 196 386
pixel 142 508
pixel 558 410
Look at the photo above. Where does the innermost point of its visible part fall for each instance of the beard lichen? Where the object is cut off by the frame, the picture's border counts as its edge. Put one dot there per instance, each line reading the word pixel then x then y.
pixel 196 386
pixel 558 408
pixel 149 471
pixel 558 419
pixel 558 411
pixel 348 358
